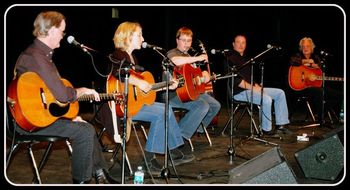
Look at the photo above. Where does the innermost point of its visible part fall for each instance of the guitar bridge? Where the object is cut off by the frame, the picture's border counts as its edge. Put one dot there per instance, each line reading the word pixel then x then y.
pixel 43 98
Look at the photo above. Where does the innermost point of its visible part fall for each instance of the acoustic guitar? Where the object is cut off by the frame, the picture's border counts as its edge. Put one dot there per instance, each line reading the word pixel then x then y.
pixel 193 81
pixel 136 97
pixel 301 77
pixel 33 106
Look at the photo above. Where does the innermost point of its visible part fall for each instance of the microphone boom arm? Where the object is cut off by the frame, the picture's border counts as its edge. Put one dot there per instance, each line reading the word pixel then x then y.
pixel 254 58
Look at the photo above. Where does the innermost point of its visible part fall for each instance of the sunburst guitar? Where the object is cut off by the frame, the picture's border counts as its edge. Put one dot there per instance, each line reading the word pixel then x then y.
pixel 301 77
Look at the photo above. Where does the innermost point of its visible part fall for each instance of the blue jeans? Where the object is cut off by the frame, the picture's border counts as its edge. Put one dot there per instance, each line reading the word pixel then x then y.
pixel 269 94
pixel 156 136
pixel 200 110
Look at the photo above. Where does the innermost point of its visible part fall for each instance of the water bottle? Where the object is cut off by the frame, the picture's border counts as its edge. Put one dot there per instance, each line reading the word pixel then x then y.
pixel 341 115
pixel 138 175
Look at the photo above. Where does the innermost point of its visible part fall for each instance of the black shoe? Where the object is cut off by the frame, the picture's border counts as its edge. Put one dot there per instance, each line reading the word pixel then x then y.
pixel 283 129
pixel 81 182
pixel 271 134
pixel 103 177
pixel 180 158
pixel 154 167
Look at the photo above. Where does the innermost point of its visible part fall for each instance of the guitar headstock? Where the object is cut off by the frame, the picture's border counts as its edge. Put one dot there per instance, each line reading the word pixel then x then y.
pixel 201 45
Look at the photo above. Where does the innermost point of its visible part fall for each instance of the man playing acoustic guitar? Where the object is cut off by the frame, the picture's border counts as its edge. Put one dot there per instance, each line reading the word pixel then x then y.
pixel 87 158
pixel 202 108
pixel 312 88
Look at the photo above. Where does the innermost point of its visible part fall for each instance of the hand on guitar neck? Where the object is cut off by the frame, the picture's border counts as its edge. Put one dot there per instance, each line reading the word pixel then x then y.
pixel 86 91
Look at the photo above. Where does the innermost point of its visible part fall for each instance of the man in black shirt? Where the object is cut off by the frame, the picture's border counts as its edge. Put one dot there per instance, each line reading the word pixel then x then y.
pixel 242 90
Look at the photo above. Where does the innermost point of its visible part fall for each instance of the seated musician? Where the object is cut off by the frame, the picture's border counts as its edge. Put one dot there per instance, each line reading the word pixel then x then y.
pixel 307 57
pixel 203 109
pixel 87 158
pixel 271 96
pixel 127 38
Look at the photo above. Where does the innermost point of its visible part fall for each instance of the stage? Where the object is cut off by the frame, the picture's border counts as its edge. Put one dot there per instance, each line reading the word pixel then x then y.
pixel 211 165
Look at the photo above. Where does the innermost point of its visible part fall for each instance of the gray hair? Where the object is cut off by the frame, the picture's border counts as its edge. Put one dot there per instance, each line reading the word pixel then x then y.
pixel 45 20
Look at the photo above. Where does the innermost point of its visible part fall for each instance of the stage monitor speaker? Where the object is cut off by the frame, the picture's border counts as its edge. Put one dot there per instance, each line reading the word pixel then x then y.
pixel 323 160
pixel 268 168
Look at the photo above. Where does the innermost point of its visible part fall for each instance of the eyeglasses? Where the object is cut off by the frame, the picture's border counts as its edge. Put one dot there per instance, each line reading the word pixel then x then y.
pixel 184 40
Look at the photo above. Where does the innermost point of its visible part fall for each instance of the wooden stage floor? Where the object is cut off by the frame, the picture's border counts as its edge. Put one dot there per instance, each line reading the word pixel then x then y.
pixel 211 166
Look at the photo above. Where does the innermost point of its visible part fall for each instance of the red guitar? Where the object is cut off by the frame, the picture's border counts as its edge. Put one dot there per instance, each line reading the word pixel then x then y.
pixel 301 77
pixel 33 106
pixel 193 82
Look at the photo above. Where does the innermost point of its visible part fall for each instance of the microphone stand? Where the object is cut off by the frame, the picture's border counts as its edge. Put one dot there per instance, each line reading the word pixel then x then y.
pixel 231 150
pixel 258 131
pixel 126 95
pixel 323 65
pixel 165 173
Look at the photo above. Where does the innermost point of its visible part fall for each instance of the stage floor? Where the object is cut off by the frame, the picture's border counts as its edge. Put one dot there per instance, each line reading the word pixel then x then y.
pixel 212 165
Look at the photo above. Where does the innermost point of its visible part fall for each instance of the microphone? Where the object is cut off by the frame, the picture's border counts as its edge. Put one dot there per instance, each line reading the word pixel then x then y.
pixel 71 40
pixel 214 51
pixel 271 46
pixel 146 45
pixel 325 53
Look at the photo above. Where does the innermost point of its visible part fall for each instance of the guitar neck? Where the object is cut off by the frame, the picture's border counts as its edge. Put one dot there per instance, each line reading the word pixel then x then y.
pixel 103 96
pixel 160 85
pixel 331 78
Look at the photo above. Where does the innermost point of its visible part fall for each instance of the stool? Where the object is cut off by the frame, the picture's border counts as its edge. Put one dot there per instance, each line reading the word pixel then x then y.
pixel 239 105
pixel 30 140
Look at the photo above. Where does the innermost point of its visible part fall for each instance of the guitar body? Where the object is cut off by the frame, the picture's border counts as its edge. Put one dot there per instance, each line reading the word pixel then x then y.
pixel 300 77
pixel 192 86
pixel 34 106
pixel 136 97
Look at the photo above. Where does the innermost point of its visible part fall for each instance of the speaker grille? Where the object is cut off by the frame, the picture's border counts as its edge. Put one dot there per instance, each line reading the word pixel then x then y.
pixel 267 168
pixel 323 160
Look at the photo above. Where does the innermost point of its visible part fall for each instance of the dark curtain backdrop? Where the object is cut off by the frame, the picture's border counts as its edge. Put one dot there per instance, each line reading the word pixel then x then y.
pixel 215 26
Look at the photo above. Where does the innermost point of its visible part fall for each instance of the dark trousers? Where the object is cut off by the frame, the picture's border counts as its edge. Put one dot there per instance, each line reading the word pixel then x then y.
pixel 87 154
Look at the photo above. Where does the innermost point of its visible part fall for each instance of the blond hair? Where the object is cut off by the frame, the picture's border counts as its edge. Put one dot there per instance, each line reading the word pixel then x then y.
pixel 45 20
pixel 306 39
pixel 123 35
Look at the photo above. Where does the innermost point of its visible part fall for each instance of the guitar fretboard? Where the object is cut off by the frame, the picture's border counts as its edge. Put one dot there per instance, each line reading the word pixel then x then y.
pixel 160 85
pixel 103 96
pixel 331 78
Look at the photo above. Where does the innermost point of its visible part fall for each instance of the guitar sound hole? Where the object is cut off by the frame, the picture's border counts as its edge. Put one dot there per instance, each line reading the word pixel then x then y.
pixel 57 110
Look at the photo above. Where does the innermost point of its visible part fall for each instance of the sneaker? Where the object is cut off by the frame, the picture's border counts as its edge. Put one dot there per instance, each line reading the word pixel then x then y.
pixel 154 167
pixel 180 158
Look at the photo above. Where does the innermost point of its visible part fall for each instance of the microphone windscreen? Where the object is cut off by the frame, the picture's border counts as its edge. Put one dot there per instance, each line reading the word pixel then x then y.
pixel 212 51
pixel 144 44
pixel 269 45
pixel 70 39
